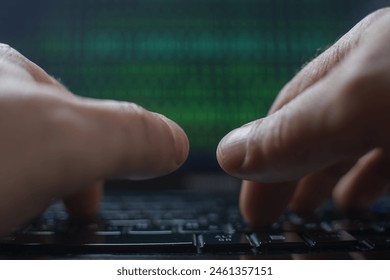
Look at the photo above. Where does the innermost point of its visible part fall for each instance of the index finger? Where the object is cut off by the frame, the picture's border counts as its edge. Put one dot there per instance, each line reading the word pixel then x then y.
pixel 74 143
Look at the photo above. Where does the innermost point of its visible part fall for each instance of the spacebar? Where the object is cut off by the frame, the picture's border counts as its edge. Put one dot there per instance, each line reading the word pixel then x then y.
pixel 108 244
pixel 140 243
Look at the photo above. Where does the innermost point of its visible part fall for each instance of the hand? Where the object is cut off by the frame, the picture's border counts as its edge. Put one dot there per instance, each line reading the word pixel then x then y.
pixel 54 144
pixel 327 132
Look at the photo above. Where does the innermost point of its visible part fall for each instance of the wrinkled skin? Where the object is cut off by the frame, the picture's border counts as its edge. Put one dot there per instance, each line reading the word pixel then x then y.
pixel 326 133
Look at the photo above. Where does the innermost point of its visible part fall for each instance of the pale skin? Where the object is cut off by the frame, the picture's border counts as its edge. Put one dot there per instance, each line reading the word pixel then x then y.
pixel 326 134
pixel 55 145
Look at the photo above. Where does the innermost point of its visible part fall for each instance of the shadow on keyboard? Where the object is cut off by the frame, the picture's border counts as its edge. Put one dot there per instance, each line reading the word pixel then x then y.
pixel 199 226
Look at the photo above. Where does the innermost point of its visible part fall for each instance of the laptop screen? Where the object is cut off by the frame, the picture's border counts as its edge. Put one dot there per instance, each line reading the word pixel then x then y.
pixel 210 65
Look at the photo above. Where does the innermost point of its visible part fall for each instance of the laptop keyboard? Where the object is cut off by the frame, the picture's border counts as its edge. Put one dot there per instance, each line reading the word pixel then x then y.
pixel 200 225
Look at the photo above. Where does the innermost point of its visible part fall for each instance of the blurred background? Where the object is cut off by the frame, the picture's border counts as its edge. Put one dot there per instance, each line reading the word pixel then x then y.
pixel 210 65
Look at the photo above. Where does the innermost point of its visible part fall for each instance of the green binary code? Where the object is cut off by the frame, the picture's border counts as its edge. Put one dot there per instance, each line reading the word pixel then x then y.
pixel 210 65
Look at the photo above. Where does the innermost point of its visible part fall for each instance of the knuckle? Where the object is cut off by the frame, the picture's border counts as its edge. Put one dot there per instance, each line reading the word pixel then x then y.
pixel 10 54
pixel 380 13
pixel 371 19
pixel 122 107
pixel 12 63
pixel 134 112
pixel 130 107
pixel 4 48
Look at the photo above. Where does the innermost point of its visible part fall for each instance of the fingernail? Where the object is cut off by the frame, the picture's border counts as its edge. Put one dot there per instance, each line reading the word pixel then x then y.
pixel 180 139
pixel 232 149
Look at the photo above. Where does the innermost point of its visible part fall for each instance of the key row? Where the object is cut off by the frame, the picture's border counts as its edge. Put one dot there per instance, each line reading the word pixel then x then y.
pixel 110 242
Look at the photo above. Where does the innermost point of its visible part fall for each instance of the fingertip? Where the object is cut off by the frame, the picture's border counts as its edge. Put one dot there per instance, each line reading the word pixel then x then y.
pixel 249 206
pixel 134 142
pixel 358 193
pixel 84 205
pixel 312 191
pixel 232 150
pixel 262 204
pixel 345 201
pixel 180 139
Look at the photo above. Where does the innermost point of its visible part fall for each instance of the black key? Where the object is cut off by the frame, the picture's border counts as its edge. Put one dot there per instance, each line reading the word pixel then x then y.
pixel 189 226
pixel 79 227
pixel 322 239
pixel 141 243
pixel 41 232
pixel 377 241
pixel 297 223
pixel 150 229
pixel 173 214
pixel 150 232
pixel 382 226
pixel 134 240
pixel 110 206
pixel 222 242
pixel 279 241
pixel 126 222
pixel 31 240
pixel 7 239
pixel 371 255
pixel 198 228
pixel 121 215
pixel 112 244
pixel 289 226
pixel 352 225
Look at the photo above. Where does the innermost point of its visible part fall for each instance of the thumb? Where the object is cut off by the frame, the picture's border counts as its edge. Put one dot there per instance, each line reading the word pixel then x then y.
pixel 317 129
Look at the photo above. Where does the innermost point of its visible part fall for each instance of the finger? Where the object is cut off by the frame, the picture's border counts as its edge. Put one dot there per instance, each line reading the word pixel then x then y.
pixel 261 204
pixel 108 138
pixel 74 144
pixel 325 62
pixel 12 58
pixel 312 191
pixel 315 188
pixel 84 205
pixel 366 181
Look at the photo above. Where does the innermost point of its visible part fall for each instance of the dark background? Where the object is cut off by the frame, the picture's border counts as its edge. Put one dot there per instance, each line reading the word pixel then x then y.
pixel 210 65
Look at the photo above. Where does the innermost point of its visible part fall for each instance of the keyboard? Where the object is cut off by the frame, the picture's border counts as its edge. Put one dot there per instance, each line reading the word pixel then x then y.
pixel 199 225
